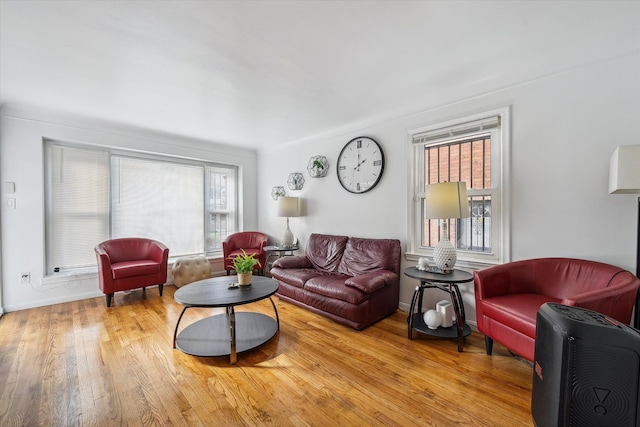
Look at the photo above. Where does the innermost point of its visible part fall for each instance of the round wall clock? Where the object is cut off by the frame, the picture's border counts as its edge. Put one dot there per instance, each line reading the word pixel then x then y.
pixel 360 165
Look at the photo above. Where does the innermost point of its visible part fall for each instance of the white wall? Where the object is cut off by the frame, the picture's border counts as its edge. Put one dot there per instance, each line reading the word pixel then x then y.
pixel 21 162
pixel 564 129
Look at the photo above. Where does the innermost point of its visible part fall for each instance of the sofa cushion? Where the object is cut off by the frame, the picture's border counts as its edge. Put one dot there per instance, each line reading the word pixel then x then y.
pixel 294 276
pixel 372 281
pixel 333 286
pixel 516 310
pixel 364 255
pixel 142 267
pixel 325 251
pixel 296 261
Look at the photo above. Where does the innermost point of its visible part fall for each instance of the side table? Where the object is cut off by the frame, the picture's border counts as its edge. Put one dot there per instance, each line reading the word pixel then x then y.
pixel 278 251
pixel 447 283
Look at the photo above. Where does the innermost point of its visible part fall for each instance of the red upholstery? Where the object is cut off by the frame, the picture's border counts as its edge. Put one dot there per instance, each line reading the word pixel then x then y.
pixel 253 243
pixel 508 296
pixel 351 280
pixel 131 263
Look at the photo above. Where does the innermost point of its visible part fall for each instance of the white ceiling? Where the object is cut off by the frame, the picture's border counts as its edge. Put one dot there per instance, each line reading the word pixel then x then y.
pixel 262 73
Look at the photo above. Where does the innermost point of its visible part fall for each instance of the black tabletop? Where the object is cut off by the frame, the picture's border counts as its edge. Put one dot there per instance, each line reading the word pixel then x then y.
pixel 215 292
pixel 456 276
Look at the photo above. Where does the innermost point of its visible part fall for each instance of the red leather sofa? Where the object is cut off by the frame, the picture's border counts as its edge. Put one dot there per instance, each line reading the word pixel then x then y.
pixel 508 296
pixel 353 281
pixel 253 243
pixel 131 263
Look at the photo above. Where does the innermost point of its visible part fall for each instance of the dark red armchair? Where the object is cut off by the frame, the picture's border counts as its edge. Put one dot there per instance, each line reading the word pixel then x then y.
pixel 508 296
pixel 131 263
pixel 253 243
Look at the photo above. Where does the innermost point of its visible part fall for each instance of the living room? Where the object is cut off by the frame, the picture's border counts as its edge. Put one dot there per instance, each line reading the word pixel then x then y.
pixel 565 73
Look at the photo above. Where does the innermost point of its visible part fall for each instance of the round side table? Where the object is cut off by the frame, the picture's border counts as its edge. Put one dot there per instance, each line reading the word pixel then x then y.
pixel 447 283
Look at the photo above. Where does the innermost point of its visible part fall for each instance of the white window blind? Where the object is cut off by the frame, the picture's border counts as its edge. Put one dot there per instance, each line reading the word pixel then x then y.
pixel 160 200
pixel 78 204
pixel 94 194
pixel 456 131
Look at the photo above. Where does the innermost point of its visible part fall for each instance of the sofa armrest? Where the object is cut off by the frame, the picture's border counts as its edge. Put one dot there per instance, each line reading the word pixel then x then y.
pixel 616 301
pixel 297 261
pixel 372 281
pixel 159 252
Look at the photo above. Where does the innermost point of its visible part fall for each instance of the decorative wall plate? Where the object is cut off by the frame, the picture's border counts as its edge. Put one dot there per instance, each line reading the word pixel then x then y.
pixel 318 167
pixel 277 191
pixel 295 181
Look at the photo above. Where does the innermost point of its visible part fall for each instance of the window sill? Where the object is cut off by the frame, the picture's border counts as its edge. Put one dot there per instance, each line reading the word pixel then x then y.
pixel 92 272
pixel 462 264
pixel 65 276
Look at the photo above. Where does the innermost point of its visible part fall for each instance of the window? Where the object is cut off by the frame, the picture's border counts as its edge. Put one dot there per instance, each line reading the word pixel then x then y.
pixel 472 150
pixel 96 194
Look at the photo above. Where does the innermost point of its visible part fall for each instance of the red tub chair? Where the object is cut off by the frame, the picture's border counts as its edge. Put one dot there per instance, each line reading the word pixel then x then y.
pixel 508 296
pixel 253 243
pixel 131 263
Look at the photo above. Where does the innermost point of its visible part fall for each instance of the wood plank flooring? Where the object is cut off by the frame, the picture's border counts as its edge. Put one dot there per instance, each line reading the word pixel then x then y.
pixel 82 364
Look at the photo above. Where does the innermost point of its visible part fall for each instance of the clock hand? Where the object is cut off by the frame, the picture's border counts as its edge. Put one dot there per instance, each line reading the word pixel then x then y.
pixel 357 167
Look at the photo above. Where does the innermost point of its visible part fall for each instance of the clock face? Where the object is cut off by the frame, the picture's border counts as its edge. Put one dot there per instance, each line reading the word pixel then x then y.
pixel 360 165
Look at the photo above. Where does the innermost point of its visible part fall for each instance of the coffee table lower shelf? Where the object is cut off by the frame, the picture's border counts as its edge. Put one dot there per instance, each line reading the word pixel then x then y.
pixel 210 337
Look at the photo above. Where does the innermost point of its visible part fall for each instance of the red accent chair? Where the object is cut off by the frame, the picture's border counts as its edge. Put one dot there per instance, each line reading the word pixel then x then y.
pixel 508 296
pixel 131 263
pixel 253 243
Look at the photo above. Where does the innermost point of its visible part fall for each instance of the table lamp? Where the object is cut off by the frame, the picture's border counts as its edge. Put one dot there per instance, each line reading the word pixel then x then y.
pixel 288 207
pixel 446 200
pixel 624 178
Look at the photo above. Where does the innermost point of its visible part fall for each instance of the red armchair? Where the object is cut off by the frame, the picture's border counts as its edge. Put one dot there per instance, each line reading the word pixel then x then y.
pixel 131 263
pixel 253 243
pixel 508 296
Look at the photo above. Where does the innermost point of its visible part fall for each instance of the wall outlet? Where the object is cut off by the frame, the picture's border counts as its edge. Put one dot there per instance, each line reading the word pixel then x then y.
pixel 25 277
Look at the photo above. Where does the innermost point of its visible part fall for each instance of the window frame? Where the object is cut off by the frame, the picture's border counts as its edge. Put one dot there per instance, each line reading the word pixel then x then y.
pixel 499 191
pixel 111 152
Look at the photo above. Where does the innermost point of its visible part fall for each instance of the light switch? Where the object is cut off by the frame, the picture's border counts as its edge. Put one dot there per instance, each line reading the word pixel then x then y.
pixel 11 203
pixel 10 187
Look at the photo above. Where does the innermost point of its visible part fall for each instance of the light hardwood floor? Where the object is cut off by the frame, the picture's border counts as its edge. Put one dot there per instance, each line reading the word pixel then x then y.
pixel 82 364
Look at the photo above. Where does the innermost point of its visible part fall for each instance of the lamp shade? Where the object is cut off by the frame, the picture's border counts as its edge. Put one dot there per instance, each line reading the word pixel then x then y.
pixel 447 200
pixel 288 206
pixel 624 170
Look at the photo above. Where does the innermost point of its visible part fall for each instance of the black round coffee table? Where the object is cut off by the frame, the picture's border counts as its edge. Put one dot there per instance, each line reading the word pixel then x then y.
pixel 229 333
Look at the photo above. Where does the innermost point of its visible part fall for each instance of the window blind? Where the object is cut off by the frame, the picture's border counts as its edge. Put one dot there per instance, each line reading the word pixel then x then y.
pixel 461 130
pixel 78 206
pixel 158 200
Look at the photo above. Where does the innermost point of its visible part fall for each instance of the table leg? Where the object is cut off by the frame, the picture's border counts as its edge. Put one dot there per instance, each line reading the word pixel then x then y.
pixel 457 302
pixel 276 311
pixel 175 332
pixel 459 297
pixel 232 334
pixel 412 308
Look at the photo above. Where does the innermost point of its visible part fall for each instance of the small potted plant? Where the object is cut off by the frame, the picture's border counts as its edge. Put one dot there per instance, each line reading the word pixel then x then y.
pixel 243 265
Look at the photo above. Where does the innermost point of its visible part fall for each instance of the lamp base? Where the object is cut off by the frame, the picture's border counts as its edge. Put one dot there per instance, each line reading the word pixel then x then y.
pixel 445 256
pixel 287 236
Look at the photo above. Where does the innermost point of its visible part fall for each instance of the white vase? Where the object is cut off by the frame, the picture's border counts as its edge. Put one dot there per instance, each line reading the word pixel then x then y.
pixel 432 319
